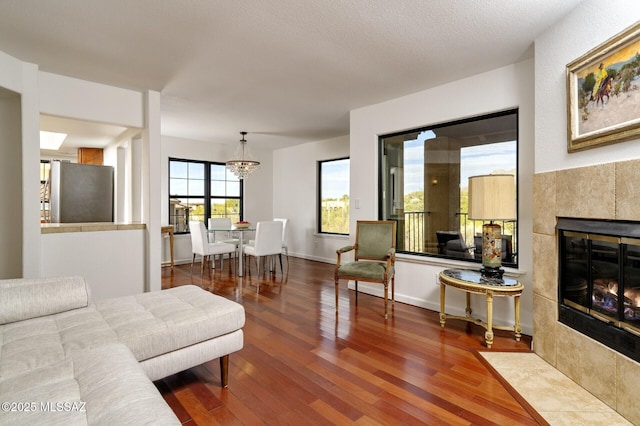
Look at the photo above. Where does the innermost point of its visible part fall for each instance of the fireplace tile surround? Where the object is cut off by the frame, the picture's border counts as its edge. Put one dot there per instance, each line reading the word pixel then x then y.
pixel 606 191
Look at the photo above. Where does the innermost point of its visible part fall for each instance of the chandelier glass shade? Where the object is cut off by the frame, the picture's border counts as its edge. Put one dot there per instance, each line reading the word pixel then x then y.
pixel 243 163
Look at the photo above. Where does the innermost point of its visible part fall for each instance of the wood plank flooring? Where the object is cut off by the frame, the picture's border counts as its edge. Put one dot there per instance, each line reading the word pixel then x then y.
pixel 302 365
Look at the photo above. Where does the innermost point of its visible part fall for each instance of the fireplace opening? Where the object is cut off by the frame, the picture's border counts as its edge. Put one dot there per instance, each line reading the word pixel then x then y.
pixel 599 281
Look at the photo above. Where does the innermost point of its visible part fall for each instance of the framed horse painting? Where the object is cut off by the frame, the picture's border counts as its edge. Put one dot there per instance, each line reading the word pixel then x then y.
pixel 603 93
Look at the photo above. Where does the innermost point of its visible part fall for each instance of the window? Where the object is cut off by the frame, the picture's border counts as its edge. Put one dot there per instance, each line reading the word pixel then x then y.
pixel 424 180
pixel 333 196
pixel 199 190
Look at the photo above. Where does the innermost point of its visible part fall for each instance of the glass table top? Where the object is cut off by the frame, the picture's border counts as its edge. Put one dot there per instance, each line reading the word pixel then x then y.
pixel 476 277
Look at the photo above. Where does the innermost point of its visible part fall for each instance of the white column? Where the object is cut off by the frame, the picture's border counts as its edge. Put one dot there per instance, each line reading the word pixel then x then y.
pixel 136 180
pixel 151 154
pixel 30 112
pixel 121 185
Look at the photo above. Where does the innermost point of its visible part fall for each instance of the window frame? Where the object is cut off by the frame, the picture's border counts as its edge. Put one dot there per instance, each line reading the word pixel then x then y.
pixel 207 197
pixel 319 195
pixel 418 130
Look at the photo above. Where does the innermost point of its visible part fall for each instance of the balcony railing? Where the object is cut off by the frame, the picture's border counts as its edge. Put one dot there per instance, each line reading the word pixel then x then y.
pixel 414 231
pixel 417 239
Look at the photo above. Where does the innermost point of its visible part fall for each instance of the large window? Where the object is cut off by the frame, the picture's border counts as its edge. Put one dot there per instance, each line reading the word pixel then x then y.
pixel 333 196
pixel 424 175
pixel 199 190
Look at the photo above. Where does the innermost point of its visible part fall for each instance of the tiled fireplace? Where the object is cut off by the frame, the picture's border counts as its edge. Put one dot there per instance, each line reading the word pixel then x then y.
pixel 609 192
pixel 599 281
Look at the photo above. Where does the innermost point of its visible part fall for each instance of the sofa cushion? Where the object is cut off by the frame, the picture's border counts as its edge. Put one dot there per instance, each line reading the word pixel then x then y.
pixel 77 357
pixel 29 345
pixel 156 323
pixel 150 324
pixel 22 299
pixel 96 386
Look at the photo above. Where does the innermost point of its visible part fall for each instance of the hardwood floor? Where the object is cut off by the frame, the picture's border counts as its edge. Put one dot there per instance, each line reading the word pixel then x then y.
pixel 303 365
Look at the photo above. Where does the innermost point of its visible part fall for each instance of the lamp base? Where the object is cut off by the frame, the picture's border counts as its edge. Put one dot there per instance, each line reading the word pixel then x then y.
pixel 492 272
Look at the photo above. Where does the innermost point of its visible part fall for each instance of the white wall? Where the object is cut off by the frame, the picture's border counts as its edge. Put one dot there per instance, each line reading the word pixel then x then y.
pixel 109 260
pixel 258 203
pixel 561 44
pixel 497 90
pixel 10 185
pixel 295 173
pixel 73 98
pixel 85 100
pixel 21 77
pixel 11 73
pixel 63 96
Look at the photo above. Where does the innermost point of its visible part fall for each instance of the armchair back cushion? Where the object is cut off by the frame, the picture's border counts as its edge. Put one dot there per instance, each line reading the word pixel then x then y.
pixel 374 239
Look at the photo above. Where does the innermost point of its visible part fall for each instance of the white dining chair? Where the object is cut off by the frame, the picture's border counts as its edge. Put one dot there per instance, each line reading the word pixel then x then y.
pixel 285 247
pixel 202 247
pixel 222 236
pixel 267 243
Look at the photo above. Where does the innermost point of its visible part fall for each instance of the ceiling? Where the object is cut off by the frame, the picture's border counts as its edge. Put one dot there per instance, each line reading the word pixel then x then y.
pixel 286 71
pixel 80 133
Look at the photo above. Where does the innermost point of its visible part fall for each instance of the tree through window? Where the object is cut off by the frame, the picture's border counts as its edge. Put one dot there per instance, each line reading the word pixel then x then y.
pixel 333 196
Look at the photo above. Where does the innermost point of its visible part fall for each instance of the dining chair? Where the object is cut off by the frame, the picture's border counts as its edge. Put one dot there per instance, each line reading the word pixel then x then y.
pixel 285 247
pixel 375 256
pixel 222 236
pixel 267 242
pixel 201 246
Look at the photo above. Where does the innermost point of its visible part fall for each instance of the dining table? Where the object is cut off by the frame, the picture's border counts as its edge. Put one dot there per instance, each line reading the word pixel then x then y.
pixel 240 232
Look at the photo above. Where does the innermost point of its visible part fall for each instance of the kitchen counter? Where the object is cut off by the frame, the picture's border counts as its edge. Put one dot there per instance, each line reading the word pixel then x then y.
pixel 57 228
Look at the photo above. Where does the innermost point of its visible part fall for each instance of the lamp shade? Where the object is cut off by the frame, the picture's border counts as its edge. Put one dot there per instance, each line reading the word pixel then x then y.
pixel 492 197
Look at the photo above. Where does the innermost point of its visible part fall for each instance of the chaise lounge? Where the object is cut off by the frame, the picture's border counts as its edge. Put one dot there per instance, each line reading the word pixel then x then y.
pixel 64 360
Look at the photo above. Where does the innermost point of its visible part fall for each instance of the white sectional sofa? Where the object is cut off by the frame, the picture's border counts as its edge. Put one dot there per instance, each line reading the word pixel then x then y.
pixel 64 360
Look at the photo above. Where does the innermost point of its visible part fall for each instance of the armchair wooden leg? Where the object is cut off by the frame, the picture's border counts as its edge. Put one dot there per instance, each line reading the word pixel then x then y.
pixel 393 290
pixel 386 301
pixel 337 285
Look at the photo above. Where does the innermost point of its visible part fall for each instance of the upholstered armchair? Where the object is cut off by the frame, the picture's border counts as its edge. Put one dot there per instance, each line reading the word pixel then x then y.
pixel 375 255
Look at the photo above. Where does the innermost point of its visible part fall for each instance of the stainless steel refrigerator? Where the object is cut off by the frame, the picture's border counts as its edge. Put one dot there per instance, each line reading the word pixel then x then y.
pixel 80 193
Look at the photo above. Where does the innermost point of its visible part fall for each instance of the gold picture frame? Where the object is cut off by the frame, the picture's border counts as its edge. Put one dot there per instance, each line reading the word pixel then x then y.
pixel 604 108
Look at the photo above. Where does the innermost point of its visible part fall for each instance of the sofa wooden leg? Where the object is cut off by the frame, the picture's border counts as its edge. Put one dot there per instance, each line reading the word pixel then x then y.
pixel 224 370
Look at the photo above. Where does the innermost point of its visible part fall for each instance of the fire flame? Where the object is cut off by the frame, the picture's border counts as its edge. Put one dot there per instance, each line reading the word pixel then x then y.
pixel 633 294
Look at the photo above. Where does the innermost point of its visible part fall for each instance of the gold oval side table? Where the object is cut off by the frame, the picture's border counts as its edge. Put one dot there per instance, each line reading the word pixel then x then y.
pixel 473 282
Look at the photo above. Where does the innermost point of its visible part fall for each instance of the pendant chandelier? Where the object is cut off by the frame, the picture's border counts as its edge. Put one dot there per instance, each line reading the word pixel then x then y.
pixel 243 163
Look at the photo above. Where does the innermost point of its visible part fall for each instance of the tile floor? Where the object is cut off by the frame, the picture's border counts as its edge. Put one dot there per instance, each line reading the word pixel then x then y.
pixel 558 399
